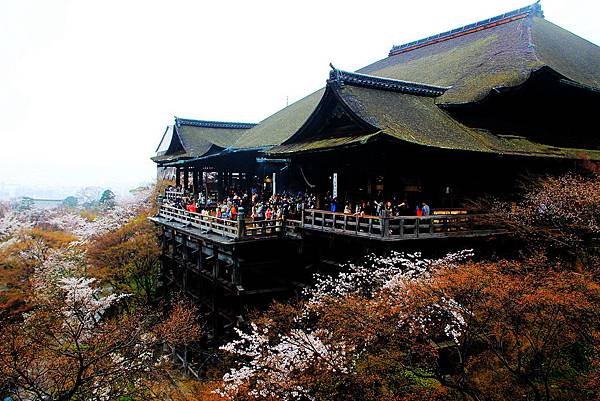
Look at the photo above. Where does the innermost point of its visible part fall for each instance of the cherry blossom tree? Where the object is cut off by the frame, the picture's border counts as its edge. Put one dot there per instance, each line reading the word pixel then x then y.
pixel 74 346
pixel 403 327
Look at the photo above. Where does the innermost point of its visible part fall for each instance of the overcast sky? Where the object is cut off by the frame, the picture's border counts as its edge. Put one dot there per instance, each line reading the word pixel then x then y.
pixel 87 87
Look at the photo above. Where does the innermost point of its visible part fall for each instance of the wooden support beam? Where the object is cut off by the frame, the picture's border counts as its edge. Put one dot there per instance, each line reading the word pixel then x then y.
pixel 177 176
pixel 185 178
pixel 220 184
pixel 195 181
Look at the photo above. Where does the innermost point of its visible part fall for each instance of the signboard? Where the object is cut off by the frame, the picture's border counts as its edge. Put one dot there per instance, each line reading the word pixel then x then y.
pixel 274 184
pixel 335 185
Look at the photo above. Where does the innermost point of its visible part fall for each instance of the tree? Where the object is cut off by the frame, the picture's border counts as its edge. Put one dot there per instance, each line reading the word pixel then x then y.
pixel 70 202
pixel 406 328
pixel 107 200
pixel 561 214
pixel 74 346
pixel 128 258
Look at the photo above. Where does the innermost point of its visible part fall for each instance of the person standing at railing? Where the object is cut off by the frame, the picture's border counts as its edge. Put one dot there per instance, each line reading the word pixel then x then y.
pixel 426 209
pixel 192 207
pixel 260 211
pixel 386 210
pixel 400 210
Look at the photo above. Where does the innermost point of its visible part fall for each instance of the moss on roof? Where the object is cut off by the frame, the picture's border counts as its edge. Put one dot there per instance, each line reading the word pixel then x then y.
pixel 198 141
pixel 323 144
pixel 167 158
pixel 566 53
pixel 502 56
pixel 278 127
pixel 411 118
pixel 418 120
pixel 472 64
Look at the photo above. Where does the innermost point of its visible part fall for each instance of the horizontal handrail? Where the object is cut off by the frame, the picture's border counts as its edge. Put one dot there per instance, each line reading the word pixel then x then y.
pixel 395 227
pixel 235 229
pixel 171 194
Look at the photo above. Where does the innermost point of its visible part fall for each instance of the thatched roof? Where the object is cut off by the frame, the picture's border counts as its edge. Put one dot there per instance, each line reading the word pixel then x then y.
pixel 188 138
pixel 496 54
pixel 462 66
pixel 409 117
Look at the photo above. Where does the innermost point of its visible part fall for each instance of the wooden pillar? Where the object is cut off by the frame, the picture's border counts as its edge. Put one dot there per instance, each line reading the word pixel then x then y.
pixel 201 186
pixel 185 178
pixel 214 307
pixel 177 176
pixel 221 184
pixel 195 180
pixel 227 182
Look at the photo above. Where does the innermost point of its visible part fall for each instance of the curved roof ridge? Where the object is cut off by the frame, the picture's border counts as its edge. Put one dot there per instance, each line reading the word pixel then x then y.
pixel 534 9
pixel 370 81
pixel 213 124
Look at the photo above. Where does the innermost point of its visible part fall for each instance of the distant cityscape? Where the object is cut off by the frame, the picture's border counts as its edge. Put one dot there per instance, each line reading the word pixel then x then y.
pixel 12 191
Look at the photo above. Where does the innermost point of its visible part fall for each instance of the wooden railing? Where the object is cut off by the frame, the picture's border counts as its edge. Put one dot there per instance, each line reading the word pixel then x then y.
pixel 383 228
pixel 172 195
pixel 394 228
pixel 234 229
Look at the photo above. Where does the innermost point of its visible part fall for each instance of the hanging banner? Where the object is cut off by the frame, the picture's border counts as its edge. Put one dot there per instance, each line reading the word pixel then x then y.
pixel 274 184
pixel 335 185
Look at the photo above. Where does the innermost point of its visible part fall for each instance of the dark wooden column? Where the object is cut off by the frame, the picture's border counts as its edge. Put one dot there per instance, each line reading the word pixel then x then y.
pixel 201 182
pixel 195 180
pixel 185 178
pixel 221 184
pixel 177 176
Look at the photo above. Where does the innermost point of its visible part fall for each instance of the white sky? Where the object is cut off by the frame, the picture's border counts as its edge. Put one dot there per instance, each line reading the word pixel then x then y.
pixel 87 87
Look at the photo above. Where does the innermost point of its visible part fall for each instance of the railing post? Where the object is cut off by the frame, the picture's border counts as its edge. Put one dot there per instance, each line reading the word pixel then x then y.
pixel 241 223
pixel 302 217
pixel 431 225
pixel 402 228
pixel 417 221
pixel 385 226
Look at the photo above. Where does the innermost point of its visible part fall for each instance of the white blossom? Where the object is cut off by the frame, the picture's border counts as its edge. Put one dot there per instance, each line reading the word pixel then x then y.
pixel 270 365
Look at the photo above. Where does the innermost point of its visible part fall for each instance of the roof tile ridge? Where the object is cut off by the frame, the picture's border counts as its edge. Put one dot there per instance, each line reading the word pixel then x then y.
pixel 213 124
pixel 340 78
pixel 534 9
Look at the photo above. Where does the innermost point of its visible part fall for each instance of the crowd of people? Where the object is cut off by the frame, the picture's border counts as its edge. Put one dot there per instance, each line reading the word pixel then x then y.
pixel 258 206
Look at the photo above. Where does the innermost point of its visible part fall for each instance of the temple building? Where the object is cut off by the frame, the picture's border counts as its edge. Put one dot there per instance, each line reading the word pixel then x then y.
pixel 442 120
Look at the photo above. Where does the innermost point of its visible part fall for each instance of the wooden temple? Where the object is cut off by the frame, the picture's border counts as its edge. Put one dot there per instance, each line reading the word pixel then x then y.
pixel 441 120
